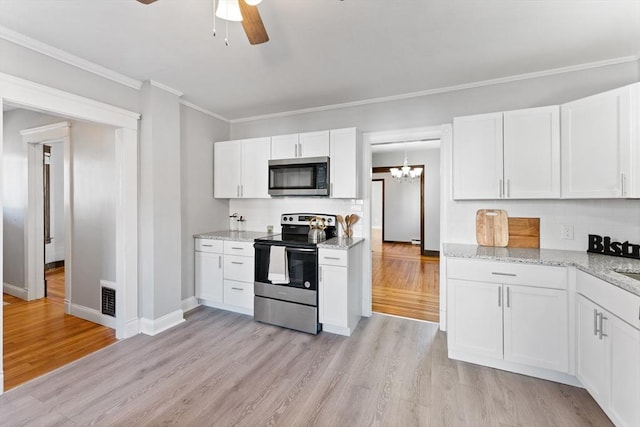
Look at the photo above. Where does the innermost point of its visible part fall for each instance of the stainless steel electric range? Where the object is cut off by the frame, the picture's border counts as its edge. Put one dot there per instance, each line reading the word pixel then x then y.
pixel 286 274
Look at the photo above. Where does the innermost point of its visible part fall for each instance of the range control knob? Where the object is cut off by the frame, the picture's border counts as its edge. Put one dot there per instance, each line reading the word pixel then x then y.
pixel 284 218
pixel 329 220
pixel 290 218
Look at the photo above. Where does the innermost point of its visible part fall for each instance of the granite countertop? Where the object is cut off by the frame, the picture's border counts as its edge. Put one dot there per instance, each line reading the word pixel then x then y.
pixel 340 242
pixel 238 236
pixel 601 266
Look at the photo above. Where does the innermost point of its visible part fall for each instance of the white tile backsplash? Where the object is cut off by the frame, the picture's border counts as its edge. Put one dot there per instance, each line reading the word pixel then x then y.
pixel 619 219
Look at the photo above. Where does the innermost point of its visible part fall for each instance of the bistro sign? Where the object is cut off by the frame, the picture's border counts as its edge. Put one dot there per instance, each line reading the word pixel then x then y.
pixel 604 245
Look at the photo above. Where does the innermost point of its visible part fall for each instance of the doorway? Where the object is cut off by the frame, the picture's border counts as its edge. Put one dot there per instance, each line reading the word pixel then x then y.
pixel 405 266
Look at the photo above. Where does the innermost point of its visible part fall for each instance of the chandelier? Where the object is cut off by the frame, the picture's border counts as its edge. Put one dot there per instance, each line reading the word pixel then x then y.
pixel 406 173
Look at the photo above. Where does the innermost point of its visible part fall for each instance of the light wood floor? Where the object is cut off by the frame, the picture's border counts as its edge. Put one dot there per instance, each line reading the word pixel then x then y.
pixel 38 337
pixel 220 368
pixel 405 283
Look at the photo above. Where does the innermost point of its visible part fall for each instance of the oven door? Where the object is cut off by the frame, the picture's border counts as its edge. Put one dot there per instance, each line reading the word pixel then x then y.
pixel 302 265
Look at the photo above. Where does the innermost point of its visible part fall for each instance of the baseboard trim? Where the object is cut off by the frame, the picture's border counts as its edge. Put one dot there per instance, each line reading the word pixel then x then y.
pixel 338 330
pixel 431 253
pixel 53 264
pixel 189 304
pixel 155 326
pixel 15 291
pixel 1 382
pixel 132 328
pixel 92 315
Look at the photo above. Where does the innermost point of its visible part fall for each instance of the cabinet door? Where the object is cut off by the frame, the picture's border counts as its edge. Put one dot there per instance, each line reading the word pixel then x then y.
pixel 536 327
pixel 227 160
pixel 590 352
pixel 596 145
pixel 624 362
pixel 255 168
pixel 477 157
pixel 314 144
pixel 475 318
pixel 345 163
pixel 208 276
pixel 532 153
pixel 333 296
pixel 284 146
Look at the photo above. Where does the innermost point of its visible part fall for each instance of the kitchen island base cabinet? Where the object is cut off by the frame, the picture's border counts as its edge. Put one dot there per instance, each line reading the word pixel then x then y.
pixel 340 289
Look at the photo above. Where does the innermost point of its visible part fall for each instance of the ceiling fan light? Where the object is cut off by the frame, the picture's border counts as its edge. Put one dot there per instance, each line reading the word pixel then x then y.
pixel 229 10
pixel 252 2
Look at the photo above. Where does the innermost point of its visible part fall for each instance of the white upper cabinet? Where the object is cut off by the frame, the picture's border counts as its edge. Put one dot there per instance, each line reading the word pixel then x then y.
pixel 241 168
pixel 345 164
pixel 532 153
pixel 601 145
pixel 309 144
pixel 284 146
pixel 513 155
pixel 477 157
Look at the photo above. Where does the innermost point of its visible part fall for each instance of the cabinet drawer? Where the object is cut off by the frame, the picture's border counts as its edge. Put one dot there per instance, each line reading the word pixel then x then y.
pixel 623 304
pixel 238 268
pixel 209 245
pixel 541 276
pixel 332 257
pixel 238 248
pixel 239 294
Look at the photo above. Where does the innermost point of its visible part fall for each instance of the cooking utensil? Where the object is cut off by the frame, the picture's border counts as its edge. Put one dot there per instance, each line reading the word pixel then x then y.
pixel 492 227
pixel 316 230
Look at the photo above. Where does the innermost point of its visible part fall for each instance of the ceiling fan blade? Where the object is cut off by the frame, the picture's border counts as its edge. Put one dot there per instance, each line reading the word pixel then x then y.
pixel 252 23
pixel 146 1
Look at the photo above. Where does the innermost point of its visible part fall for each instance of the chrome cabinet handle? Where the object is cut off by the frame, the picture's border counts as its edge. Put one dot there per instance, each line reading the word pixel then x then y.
pixel 236 262
pixel 508 188
pixel 219 261
pixel 207 246
pixel 508 297
pixel 300 149
pixel 237 289
pixel 236 248
pixel 600 333
pixel 622 180
pixel 500 187
pixel 241 190
pixel 319 273
pixel 332 257
pixel 500 296
pixel 595 322
pixel 296 149
pixel 496 273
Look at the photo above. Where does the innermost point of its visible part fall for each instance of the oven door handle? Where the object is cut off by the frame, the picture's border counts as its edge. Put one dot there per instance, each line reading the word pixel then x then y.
pixel 299 250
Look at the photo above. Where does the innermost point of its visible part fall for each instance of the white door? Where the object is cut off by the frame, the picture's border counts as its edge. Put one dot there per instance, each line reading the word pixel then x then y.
pixel 314 144
pixel 255 167
pixel 532 153
pixel 590 353
pixel 284 146
pixel 536 327
pixel 477 157
pixel 475 318
pixel 208 276
pixel 596 145
pixel 625 371
pixel 333 286
pixel 227 169
pixel 343 165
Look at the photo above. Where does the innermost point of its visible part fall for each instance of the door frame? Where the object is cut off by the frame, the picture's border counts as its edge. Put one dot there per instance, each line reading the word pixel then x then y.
pixel 382 181
pixel 40 97
pixel 34 139
pixel 385 169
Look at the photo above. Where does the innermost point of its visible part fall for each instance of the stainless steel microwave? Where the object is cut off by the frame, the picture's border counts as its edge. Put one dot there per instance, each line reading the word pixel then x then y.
pixel 299 177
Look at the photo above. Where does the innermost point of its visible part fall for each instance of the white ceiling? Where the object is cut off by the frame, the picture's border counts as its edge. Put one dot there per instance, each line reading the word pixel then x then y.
pixel 326 52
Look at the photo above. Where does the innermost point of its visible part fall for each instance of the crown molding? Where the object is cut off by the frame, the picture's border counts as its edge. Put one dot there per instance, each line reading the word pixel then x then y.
pixel 66 57
pixel 482 83
pixel 166 88
pixel 203 110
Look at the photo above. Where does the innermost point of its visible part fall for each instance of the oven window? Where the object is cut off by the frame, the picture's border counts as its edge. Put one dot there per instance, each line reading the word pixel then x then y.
pixel 302 266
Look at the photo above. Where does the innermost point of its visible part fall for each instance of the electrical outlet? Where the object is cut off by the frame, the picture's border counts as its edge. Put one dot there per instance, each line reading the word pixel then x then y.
pixel 566 232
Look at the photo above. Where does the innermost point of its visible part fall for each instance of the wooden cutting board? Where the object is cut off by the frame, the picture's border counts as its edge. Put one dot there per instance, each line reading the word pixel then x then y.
pixel 492 227
pixel 524 232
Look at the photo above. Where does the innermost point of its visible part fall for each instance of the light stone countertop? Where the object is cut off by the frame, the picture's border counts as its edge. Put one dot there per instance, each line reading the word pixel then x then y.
pixel 340 243
pixel 238 236
pixel 601 266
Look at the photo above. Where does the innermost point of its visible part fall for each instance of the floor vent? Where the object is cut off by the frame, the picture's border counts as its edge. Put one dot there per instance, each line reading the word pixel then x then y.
pixel 109 301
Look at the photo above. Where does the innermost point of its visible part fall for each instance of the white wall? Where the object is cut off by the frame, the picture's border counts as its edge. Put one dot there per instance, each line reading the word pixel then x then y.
pixel 200 211
pixel 377 189
pixel 401 209
pixel 93 197
pixel 430 159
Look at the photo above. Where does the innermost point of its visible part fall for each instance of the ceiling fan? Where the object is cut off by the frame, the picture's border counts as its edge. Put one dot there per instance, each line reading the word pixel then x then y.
pixel 250 18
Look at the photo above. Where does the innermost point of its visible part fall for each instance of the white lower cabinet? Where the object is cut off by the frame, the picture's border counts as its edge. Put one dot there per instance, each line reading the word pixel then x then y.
pixel 340 289
pixel 608 349
pixel 224 274
pixel 515 319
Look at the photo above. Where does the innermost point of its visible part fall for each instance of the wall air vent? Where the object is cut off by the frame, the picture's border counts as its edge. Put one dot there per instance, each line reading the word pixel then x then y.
pixel 108 301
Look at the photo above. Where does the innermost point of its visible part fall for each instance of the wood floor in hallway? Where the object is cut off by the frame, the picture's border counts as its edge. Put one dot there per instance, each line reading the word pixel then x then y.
pixel 224 369
pixel 38 337
pixel 405 283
